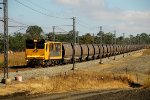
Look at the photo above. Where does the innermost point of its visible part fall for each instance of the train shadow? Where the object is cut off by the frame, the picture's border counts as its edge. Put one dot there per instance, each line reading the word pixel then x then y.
pixel 19 67
pixel 135 85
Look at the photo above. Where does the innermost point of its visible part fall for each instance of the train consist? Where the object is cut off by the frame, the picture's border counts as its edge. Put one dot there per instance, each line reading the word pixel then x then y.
pixel 49 53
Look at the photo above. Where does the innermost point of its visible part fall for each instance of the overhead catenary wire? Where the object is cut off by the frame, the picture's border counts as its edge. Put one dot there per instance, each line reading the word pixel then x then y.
pixel 15 21
pixel 37 5
pixel 25 25
pixel 39 11
pixel 20 29
pixel 22 26
pixel 84 25
pixel 61 29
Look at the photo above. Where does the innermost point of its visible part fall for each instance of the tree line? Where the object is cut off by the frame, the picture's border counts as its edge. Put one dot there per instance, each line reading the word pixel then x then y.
pixel 17 40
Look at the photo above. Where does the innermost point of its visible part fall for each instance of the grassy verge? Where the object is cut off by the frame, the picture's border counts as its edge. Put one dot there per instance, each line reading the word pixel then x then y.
pixel 1 60
pixel 15 59
pixel 146 52
pixel 64 83
pixel 147 83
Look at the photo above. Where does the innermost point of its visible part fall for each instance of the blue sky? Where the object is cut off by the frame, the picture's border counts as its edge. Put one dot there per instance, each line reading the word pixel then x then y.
pixel 124 16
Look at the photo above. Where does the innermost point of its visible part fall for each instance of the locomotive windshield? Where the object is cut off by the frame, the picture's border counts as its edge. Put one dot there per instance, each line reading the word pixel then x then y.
pixel 30 44
pixel 40 45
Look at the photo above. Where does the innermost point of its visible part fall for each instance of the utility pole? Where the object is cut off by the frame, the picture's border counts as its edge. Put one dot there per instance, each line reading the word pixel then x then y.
pixel 139 40
pixel 115 45
pixel 130 44
pixel 101 34
pixel 112 39
pixel 74 33
pixel 53 33
pixel 5 37
pixel 6 79
pixel 123 43
pixel 93 38
pixel 149 39
pixel 101 39
pixel 78 37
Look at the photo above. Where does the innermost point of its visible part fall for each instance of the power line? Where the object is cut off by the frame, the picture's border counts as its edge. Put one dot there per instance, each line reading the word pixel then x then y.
pixel 37 5
pixel 14 26
pixel 39 11
pixel 17 26
pixel 12 20
pixel 20 29
pixel 83 24
pixel 25 25
pixel 61 29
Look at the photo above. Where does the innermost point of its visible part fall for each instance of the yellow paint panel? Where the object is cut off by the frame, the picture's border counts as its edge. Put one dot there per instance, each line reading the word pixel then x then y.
pixel 35 53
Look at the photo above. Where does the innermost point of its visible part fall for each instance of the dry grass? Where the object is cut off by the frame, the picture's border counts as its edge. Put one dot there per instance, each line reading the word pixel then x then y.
pixel 1 60
pixel 15 59
pixel 63 83
pixel 146 52
pixel 147 83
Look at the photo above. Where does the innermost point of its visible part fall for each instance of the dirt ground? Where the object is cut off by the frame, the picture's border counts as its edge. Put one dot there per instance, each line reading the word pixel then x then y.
pixel 115 74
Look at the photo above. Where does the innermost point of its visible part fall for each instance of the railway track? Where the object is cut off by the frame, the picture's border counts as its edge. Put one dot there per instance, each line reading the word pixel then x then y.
pixel 28 72
pixel 25 68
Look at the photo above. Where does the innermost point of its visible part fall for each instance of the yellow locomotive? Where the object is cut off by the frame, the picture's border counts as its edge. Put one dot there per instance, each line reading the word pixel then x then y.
pixel 41 52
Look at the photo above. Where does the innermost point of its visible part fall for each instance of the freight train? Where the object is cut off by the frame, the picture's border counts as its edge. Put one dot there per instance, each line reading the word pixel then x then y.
pixel 49 53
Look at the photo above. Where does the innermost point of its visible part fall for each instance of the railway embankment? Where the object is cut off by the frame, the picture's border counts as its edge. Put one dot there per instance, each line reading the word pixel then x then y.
pixel 61 69
pixel 112 74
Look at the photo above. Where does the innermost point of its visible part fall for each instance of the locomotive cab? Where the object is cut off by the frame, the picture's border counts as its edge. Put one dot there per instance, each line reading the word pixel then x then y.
pixel 39 52
pixel 35 52
pixel 35 49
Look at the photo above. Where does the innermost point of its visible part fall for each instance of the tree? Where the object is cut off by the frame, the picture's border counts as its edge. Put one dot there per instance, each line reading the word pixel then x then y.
pixel 108 38
pixel 34 32
pixel 120 40
pixel 87 38
pixel 17 42
pixel 144 38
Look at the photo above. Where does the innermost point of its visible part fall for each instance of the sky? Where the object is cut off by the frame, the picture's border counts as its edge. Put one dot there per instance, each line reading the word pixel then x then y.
pixel 124 16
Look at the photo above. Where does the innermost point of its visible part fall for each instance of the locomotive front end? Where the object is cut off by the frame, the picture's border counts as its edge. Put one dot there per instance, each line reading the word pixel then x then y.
pixel 35 52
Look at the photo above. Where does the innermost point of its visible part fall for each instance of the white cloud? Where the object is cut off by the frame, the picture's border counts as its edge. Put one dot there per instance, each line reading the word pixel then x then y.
pixel 69 2
pixel 81 3
pixel 123 20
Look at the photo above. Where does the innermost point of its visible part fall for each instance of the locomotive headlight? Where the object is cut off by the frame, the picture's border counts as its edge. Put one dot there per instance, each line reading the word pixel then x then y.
pixel 35 40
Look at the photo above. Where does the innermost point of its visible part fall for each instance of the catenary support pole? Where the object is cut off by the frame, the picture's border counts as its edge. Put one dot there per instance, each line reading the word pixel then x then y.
pixel 53 33
pixel 115 46
pixel 6 79
pixel 101 43
pixel 123 44
pixel 74 41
